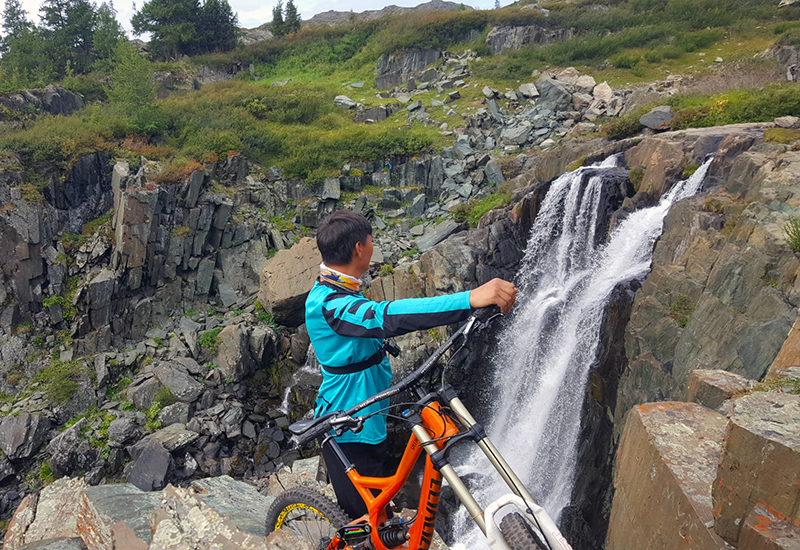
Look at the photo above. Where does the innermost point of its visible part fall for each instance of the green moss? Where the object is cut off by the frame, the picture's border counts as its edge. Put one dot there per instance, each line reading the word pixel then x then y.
pixel 781 135
pixel 495 200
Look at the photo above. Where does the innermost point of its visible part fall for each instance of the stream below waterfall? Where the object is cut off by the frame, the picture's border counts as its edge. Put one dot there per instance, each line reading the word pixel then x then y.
pixel 548 347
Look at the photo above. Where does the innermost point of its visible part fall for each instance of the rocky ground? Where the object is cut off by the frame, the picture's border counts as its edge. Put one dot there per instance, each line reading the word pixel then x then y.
pixel 153 332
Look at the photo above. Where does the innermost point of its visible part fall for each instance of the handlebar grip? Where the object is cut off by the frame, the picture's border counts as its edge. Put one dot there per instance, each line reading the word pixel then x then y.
pixel 311 435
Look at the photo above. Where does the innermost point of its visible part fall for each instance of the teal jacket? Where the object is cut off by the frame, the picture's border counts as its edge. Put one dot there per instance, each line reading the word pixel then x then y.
pixel 347 331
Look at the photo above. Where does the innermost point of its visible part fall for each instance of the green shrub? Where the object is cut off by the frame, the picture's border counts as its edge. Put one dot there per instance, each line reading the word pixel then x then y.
pixel 267 318
pixel 792 231
pixel 386 269
pixel 625 60
pixel 210 341
pixel 681 310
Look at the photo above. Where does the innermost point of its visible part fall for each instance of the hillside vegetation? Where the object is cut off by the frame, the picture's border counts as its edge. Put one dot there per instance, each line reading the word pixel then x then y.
pixel 297 127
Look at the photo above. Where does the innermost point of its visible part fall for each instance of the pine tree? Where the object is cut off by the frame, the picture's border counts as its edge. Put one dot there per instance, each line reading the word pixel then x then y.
pixel 497 4
pixel 278 26
pixel 291 22
pixel 68 29
pixel 218 26
pixel 133 91
pixel 172 24
pixel 15 20
pixel 107 34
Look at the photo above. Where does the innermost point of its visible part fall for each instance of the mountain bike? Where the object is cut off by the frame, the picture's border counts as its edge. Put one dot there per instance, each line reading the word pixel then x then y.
pixel 438 420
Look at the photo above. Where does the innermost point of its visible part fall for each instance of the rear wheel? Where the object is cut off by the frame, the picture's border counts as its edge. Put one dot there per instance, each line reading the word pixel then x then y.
pixel 518 535
pixel 307 512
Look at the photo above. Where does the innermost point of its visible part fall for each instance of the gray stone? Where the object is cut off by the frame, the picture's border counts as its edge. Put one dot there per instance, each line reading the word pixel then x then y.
pixel 188 325
pixel 657 119
pixel 233 358
pixel 344 102
pixel 452 96
pixel 463 148
pixel 172 438
pixel 414 105
pixel 331 189
pixel 553 94
pixel 142 393
pixel 177 413
pixel 123 430
pixel 488 92
pixel 149 471
pixel 603 92
pixel 106 506
pixel 239 502
pixel 787 122
pixel 515 135
pixel 69 453
pixel 493 172
pixel 418 206
pixel 22 435
pixel 436 235
pixel 183 387
pixel 585 84
pixel 529 90
pixel 101 370
pixel 227 295
pixel 56 544
pixel 205 275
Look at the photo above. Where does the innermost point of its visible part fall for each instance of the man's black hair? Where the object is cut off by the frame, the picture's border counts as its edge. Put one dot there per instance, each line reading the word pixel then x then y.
pixel 338 234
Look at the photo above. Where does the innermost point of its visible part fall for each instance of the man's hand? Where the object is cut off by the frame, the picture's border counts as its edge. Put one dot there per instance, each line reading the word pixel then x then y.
pixel 495 292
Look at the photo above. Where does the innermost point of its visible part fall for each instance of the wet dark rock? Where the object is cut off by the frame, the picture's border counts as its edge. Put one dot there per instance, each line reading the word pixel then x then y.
pixel 149 471
pixel 22 435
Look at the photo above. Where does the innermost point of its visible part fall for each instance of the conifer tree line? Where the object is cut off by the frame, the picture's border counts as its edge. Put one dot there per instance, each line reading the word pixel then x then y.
pixel 79 36
pixel 285 20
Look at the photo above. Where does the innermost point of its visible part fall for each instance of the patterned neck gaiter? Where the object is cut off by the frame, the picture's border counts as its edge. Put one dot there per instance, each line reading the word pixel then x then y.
pixel 338 278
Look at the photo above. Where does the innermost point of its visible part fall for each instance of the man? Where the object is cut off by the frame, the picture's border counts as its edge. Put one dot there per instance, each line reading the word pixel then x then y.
pixel 348 331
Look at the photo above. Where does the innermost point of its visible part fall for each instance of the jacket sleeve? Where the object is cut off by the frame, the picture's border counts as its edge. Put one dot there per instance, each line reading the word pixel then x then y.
pixel 355 316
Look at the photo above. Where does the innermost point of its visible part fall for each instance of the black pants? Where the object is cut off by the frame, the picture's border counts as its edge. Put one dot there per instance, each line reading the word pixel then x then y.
pixel 368 460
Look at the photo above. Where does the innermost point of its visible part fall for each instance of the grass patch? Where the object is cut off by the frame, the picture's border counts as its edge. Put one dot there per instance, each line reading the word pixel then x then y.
pixel 60 380
pixel 681 310
pixel 782 135
pixel 267 318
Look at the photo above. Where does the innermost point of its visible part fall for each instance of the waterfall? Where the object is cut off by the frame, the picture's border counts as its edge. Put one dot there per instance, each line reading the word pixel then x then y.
pixel 546 351
pixel 310 368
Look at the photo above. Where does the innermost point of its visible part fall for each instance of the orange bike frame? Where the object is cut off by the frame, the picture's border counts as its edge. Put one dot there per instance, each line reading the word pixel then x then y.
pixel 421 533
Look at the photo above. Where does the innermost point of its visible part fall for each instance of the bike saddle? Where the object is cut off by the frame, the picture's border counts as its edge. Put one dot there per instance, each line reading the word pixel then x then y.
pixel 302 426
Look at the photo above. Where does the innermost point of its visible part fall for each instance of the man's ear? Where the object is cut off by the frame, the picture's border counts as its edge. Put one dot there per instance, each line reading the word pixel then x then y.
pixel 359 249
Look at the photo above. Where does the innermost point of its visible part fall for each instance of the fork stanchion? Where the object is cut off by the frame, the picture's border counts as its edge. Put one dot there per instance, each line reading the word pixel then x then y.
pixel 492 453
pixel 447 471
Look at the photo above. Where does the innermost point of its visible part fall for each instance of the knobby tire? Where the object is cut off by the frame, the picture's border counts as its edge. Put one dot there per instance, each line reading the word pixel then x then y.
pixel 306 512
pixel 518 535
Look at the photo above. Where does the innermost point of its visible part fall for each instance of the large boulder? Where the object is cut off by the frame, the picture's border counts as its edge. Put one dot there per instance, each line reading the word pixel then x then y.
pixel 233 358
pixel 554 95
pixel 110 514
pixel 54 516
pixel 666 463
pixel 22 435
pixel 760 463
pixel 286 281
pixel 69 452
pixel 183 386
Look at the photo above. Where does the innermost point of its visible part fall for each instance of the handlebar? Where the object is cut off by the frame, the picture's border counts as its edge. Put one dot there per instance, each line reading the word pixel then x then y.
pixel 308 430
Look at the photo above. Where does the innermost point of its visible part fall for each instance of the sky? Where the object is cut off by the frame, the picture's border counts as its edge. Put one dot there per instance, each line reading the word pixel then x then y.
pixel 253 13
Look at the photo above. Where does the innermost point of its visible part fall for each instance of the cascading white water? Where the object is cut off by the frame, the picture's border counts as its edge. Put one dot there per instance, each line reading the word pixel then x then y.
pixel 547 350
pixel 311 366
